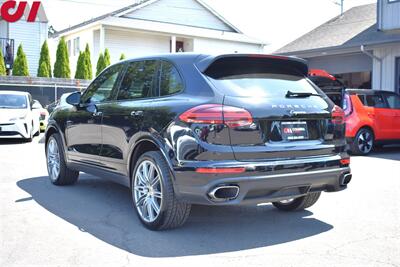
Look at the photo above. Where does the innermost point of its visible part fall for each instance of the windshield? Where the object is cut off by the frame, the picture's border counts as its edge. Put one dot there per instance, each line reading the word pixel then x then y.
pixel 13 101
pixel 263 85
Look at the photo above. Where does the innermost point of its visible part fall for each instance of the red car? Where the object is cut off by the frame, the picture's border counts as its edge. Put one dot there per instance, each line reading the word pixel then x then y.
pixel 372 117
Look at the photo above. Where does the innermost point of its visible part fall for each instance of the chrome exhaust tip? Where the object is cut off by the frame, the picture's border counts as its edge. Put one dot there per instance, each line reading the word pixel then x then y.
pixel 346 179
pixel 224 193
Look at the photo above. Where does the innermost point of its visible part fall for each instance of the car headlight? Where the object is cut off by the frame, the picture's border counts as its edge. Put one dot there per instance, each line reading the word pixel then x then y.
pixel 18 118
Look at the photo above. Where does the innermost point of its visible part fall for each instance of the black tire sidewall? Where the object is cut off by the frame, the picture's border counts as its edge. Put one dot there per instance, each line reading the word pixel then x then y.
pixel 57 138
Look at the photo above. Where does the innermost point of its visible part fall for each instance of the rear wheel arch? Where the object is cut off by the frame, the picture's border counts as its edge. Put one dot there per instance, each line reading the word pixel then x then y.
pixel 142 146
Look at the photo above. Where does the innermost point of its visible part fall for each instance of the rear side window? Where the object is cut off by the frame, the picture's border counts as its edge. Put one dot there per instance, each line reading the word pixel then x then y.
pixel 393 101
pixel 362 99
pixel 376 101
pixel 171 82
pixel 140 80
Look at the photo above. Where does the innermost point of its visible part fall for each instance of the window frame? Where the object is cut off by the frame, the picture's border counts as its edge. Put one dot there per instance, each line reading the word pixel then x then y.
pixel 385 95
pixel 397 74
pixel 76 46
pixel 115 88
pixel 158 79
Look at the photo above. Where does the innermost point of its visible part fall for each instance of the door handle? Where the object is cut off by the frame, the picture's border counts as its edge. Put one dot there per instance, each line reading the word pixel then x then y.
pixel 97 114
pixel 138 113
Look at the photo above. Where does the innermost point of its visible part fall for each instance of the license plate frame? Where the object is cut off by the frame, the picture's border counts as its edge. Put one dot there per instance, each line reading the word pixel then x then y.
pixel 294 131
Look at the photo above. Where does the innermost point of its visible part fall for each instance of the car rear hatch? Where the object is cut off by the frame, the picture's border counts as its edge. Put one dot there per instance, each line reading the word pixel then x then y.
pixel 332 87
pixel 290 117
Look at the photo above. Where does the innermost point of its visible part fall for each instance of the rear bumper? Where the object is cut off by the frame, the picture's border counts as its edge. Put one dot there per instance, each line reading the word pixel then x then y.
pixel 263 182
pixel 18 129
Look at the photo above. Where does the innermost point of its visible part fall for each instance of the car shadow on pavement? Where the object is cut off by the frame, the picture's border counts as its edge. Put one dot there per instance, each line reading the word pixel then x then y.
pixel 387 152
pixel 105 210
pixel 12 142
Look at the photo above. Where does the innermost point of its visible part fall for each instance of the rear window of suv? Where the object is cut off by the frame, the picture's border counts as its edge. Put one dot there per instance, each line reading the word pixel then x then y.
pixel 263 85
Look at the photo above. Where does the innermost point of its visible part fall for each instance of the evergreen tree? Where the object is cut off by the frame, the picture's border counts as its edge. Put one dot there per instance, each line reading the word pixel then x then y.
pixel 61 67
pixel 43 70
pixel 81 67
pixel 44 58
pixel 20 63
pixel 100 64
pixel 122 57
pixel 3 70
pixel 88 64
pixel 107 58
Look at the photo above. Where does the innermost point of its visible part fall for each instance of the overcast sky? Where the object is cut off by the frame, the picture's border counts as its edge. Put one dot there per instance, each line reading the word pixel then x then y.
pixel 276 22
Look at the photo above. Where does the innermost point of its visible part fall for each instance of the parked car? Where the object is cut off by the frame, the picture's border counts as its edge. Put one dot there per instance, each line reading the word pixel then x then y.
pixel 370 115
pixel 19 115
pixel 43 115
pixel 186 129
pixel 372 119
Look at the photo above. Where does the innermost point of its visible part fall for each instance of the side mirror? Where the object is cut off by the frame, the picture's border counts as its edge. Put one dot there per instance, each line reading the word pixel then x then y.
pixel 74 99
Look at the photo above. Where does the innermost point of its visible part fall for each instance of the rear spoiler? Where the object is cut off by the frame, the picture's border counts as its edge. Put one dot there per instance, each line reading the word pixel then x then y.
pixel 211 63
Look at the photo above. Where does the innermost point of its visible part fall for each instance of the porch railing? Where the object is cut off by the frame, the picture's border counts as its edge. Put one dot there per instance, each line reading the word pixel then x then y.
pixel 7 48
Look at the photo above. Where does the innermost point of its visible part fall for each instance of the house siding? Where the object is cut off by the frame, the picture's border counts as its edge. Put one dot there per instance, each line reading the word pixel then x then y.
pixel 31 36
pixel 182 12
pixel 388 55
pixel 134 44
pixel 389 15
pixel 338 64
pixel 212 46
pixel 3 29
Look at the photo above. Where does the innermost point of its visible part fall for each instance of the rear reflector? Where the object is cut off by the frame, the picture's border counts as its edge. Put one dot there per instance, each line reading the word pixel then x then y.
pixel 220 170
pixel 345 162
pixel 217 114
pixel 337 115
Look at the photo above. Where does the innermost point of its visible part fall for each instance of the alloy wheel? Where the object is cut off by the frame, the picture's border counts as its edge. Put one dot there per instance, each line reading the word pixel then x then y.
pixel 53 159
pixel 365 142
pixel 148 191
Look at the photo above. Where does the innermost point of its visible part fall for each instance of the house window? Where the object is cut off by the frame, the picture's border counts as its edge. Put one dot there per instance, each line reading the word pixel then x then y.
pixel 76 46
pixel 397 76
pixel 69 47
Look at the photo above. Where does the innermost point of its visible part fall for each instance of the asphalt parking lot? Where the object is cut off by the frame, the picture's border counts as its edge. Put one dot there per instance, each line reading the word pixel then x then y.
pixel 93 223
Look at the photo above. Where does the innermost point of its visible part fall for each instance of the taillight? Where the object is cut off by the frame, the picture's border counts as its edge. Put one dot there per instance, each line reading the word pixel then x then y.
pixel 345 162
pixel 347 105
pixel 217 114
pixel 337 115
pixel 220 170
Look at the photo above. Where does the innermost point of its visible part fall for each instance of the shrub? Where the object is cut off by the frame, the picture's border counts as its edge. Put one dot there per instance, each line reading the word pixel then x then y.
pixel 3 70
pixel 100 64
pixel 61 67
pixel 44 61
pixel 88 64
pixel 107 58
pixel 122 57
pixel 20 63
pixel 80 67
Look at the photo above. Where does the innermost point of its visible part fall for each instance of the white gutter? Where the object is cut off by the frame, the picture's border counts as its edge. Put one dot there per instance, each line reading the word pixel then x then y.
pixel 362 48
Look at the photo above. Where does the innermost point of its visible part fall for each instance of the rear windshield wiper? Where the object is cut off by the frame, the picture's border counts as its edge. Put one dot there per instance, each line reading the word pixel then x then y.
pixel 291 94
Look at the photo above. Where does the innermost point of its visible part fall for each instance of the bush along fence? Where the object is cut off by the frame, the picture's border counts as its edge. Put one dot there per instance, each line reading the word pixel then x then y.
pixel 46 90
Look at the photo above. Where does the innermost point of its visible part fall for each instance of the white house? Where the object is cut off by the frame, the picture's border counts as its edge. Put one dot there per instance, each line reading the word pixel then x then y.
pixel 362 46
pixel 158 26
pixel 30 34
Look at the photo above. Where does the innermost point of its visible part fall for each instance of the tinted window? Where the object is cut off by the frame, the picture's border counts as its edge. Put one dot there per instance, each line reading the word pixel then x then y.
pixel 140 81
pixel 101 89
pixel 171 81
pixel 376 101
pixel 13 101
pixel 362 99
pixel 263 85
pixel 393 101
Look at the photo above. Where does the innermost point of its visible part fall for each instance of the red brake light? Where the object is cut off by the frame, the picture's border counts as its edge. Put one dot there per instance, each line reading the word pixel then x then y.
pixel 217 114
pixel 220 170
pixel 345 162
pixel 337 115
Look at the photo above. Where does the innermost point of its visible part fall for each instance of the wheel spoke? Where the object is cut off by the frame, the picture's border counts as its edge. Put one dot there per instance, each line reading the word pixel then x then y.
pixel 150 211
pixel 141 200
pixel 155 206
pixel 157 194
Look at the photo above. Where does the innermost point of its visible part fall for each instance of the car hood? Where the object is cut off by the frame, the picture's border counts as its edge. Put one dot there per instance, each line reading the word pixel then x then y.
pixel 7 114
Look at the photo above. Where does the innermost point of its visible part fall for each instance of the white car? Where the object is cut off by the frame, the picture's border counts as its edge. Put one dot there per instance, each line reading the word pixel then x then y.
pixel 19 115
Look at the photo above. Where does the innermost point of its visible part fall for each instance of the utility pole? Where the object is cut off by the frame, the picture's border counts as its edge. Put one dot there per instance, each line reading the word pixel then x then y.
pixel 341 4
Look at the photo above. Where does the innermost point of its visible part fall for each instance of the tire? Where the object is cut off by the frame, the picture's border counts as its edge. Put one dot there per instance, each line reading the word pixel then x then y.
pixel 363 143
pixel 300 203
pixel 156 205
pixel 55 157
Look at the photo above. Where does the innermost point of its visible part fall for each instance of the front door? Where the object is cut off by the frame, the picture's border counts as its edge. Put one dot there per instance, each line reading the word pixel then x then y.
pixel 130 114
pixel 83 129
pixel 382 116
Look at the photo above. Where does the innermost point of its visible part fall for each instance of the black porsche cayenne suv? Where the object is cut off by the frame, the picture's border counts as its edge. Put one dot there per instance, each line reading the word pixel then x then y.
pixel 186 129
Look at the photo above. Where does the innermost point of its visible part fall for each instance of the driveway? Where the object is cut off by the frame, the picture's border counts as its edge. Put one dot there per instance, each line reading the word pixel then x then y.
pixel 93 223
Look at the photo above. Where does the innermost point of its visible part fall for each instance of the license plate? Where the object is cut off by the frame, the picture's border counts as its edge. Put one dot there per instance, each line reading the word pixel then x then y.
pixel 294 131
